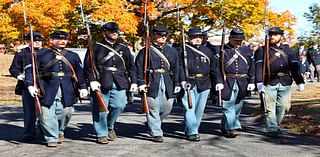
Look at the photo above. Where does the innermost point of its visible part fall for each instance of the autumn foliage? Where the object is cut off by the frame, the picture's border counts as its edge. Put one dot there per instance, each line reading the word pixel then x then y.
pixel 47 15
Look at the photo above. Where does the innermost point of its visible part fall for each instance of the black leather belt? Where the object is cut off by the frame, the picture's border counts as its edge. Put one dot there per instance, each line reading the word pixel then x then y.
pixel 198 75
pixel 280 74
pixel 161 70
pixel 237 75
pixel 112 69
pixel 57 74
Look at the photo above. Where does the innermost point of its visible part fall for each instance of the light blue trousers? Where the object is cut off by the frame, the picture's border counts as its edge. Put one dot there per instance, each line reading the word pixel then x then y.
pixel 55 119
pixel 159 108
pixel 193 116
pixel 231 111
pixel 104 121
pixel 278 100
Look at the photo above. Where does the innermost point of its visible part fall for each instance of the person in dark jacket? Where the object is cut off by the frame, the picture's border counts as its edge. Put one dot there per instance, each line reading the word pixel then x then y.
pixel 117 74
pixel 284 68
pixel 238 66
pixel 58 69
pixel 164 83
pixel 17 70
pixel 201 65
pixel 313 57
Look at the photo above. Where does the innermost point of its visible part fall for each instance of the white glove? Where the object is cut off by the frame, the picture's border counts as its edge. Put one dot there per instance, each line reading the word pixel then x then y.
pixel 261 87
pixel 143 88
pixel 184 85
pixel 133 88
pixel 250 87
pixel 33 91
pixel 83 93
pixel 20 77
pixel 300 87
pixel 176 90
pixel 95 85
pixel 219 86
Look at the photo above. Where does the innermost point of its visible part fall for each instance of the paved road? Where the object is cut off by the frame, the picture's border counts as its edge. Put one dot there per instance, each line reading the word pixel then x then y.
pixel 133 140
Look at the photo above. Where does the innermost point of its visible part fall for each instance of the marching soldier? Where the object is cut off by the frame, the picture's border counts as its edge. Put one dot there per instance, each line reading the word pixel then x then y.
pixel 58 68
pixel 114 64
pixel 238 66
pixel 17 70
pixel 313 56
pixel 283 66
pixel 201 65
pixel 164 83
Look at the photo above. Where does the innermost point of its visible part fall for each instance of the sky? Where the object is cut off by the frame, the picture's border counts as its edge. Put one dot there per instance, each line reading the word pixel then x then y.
pixel 298 8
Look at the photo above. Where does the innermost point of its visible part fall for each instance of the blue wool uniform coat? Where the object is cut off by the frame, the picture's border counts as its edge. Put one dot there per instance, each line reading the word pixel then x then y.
pixel 20 60
pixel 171 76
pixel 51 84
pixel 239 66
pixel 198 64
pixel 106 77
pixel 289 64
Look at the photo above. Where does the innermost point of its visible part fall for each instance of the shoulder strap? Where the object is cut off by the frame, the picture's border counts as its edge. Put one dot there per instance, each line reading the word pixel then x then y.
pixel 199 52
pixel 114 52
pixel 275 57
pixel 66 61
pixel 234 57
pixel 161 55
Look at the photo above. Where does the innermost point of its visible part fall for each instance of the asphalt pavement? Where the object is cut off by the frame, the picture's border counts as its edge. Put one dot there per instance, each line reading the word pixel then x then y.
pixel 133 139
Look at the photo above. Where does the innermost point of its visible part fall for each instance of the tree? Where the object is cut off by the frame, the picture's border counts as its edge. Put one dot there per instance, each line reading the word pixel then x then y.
pixel 314 16
pixel 46 15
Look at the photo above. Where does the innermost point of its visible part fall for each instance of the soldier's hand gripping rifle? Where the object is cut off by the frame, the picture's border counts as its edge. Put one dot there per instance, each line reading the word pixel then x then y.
pixel 102 106
pixel 185 63
pixel 266 62
pixel 35 74
pixel 146 60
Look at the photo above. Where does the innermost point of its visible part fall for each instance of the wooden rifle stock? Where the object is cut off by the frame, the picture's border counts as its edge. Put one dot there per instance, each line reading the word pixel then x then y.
pixel 102 105
pixel 263 102
pixel 145 106
pixel 146 60
pixel 36 81
pixel 266 62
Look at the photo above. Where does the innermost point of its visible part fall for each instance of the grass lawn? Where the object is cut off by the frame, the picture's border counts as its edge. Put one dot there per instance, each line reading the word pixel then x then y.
pixel 304 115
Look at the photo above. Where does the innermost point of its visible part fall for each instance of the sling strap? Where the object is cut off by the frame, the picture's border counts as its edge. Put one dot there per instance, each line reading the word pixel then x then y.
pixel 198 52
pixel 161 55
pixel 112 53
pixel 275 57
pixel 234 57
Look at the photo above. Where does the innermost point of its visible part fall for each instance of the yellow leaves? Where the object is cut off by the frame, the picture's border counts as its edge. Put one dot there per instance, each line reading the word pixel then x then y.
pixel 7 31
pixel 115 11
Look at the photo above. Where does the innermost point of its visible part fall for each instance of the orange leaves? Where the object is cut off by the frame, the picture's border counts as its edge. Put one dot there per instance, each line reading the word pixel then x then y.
pixel 115 11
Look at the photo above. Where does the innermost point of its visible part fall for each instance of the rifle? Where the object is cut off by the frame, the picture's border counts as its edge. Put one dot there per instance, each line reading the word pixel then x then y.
pixel 146 60
pixel 185 62
pixel 36 81
pixel 266 62
pixel 102 106
pixel 222 56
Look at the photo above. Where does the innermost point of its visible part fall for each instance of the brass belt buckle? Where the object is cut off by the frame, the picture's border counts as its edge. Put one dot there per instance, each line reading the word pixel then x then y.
pixel 60 74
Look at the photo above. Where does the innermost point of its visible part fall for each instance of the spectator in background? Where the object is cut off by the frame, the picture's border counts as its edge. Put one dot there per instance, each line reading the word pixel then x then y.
pixel 304 66
pixel 3 49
